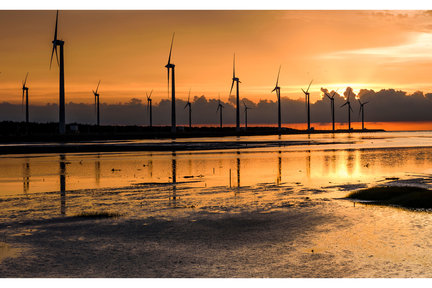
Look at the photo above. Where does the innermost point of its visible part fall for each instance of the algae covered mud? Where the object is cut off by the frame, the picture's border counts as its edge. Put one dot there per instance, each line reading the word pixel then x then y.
pixel 267 211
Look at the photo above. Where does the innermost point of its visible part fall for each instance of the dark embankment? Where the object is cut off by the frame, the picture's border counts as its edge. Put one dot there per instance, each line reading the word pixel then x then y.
pixel 20 132
pixel 406 196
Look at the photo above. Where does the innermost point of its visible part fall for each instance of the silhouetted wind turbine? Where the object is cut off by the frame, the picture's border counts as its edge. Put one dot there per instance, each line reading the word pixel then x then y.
pixel 190 110
pixel 277 89
pixel 237 81
pixel 56 42
pixel 172 66
pixel 96 94
pixel 245 111
pixel 362 112
pixel 220 107
pixel 307 99
pixel 332 107
pixel 25 91
pixel 349 109
pixel 149 107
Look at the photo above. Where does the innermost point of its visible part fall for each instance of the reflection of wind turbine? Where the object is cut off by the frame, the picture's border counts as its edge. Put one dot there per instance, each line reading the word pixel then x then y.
pixel 190 110
pixel 307 100
pixel 237 81
pixel 349 109
pixel 97 170
pixel 332 107
pixel 149 107
pixel 96 94
pixel 62 184
pixel 279 172
pixel 56 42
pixel 220 107
pixel 277 89
pixel 362 112
pixel 245 111
pixel 172 66
pixel 25 91
pixel 26 176
pixel 174 177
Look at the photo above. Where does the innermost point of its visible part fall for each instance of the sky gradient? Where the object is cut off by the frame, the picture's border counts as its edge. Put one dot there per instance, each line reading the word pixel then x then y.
pixel 127 51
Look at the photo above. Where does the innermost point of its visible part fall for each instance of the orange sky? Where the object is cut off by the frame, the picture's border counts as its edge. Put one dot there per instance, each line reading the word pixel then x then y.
pixel 127 51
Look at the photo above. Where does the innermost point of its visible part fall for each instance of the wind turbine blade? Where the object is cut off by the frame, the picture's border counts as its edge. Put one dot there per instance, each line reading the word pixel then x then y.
pixel 361 107
pixel 52 54
pixel 55 30
pixel 350 108
pixel 344 104
pixel 303 91
pixel 232 85
pixel 189 96
pixel 365 103
pixel 277 80
pixel 234 66
pixel 186 105
pixel 25 80
pixel 172 41
pixel 150 93
pixel 97 86
pixel 309 86
pixel 273 90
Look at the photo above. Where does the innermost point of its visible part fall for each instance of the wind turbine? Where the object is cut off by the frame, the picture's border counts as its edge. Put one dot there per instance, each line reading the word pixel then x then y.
pixel 190 110
pixel 149 107
pixel 25 91
pixel 307 99
pixel 362 112
pixel 245 111
pixel 349 109
pixel 220 107
pixel 60 43
pixel 96 94
pixel 237 81
pixel 172 66
pixel 332 107
pixel 277 89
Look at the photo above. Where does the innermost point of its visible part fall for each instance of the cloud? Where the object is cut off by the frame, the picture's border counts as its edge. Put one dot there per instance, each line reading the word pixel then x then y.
pixel 384 105
pixel 418 48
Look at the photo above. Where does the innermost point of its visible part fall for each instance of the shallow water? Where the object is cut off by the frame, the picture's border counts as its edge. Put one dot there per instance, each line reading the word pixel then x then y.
pixel 168 185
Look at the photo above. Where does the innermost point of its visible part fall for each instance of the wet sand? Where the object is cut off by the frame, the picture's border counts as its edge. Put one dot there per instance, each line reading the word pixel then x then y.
pixel 299 237
pixel 251 213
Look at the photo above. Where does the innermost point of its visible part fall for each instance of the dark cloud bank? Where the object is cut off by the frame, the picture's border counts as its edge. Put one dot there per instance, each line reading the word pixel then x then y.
pixel 384 105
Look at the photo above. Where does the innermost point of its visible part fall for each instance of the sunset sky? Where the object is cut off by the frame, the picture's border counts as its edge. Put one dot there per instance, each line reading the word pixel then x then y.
pixel 127 51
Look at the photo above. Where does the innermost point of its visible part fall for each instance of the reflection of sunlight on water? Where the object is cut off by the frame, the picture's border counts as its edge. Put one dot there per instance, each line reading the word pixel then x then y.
pixel 206 178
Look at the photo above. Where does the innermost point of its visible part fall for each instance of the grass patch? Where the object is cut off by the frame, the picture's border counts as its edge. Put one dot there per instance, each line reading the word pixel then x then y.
pixel 97 215
pixel 404 196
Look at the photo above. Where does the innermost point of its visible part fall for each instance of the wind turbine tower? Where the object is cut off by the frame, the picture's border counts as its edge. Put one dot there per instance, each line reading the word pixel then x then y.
pixel 332 107
pixel 277 89
pixel 362 112
pixel 25 92
pixel 349 109
pixel 237 81
pixel 245 111
pixel 172 67
pixel 220 107
pixel 149 108
pixel 307 99
pixel 56 42
pixel 96 94
pixel 188 104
